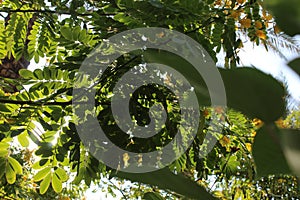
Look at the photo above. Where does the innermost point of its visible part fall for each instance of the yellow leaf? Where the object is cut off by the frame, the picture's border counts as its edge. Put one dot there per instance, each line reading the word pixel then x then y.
pixel 126 158
pixel 276 29
pixel 249 147
pixel 257 122
pixel 261 34
pixel 235 14
pixel 245 23
pixel 258 24
pixel 224 141
pixel 241 1
pixel 269 17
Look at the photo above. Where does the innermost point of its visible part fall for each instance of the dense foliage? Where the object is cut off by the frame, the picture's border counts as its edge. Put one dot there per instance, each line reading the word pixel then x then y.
pixel 251 159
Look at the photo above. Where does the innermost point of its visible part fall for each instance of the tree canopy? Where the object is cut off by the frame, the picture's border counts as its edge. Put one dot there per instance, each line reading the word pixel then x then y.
pixel 254 153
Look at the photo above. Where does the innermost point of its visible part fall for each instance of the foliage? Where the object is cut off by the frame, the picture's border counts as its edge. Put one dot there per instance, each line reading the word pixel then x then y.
pixel 24 187
pixel 65 32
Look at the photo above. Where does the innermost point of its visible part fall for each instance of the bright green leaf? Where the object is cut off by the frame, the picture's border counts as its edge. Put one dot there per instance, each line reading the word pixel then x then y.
pixel 4 109
pixel 45 184
pixel 61 173
pixel 23 139
pixel 10 174
pixel 56 183
pixel 25 73
pixel 42 174
pixel 15 165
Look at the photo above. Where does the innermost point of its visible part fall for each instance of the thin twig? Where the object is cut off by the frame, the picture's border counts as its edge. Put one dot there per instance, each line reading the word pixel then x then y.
pixel 60 12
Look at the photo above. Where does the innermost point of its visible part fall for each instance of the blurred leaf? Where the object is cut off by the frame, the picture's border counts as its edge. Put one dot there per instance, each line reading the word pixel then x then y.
pixel 152 196
pixel 291 148
pixel 295 65
pixel 165 179
pixel 287 14
pixel 254 93
pixel 185 68
pixel 267 152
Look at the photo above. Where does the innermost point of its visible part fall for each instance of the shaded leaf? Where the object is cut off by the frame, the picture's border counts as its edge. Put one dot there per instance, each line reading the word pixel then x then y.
pixel 287 14
pixel 254 93
pixel 291 148
pixel 152 196
pixel 295 65
pixel 267 152
pixel 165 179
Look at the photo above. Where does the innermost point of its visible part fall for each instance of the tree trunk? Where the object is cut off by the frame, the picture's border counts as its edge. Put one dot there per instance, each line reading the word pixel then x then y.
pixel 10 66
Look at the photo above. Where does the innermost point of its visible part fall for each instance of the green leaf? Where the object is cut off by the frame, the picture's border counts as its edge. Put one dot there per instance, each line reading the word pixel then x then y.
pixel 165 179
pixel 254 93
pixel 291 148
pixel 267 152
pixel 45 150
pixel 2 166
pixel 56 183
pixel 46 73
pixel 152 196
pixel 185 68
pixel 3 149
pixel 76 32
pixel 45 184
pixel 3 152
pixel 23 139
pixel 38 73
pixel 287 14
pixel 25 73
pixel 61 173
pixel 42 174
pixel 10 174
pixel 16 166
pixel 295 65
pixel 4 109
pixel 231 166
pixel 66 32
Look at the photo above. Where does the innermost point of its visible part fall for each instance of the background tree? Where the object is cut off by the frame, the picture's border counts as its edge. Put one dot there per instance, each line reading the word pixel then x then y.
pixel 36 106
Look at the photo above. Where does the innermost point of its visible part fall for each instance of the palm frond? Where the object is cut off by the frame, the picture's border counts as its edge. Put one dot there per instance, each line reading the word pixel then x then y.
pixel 282 42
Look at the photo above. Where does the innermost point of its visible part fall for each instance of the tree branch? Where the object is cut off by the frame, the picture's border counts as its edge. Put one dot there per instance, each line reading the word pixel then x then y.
pixel 34 103
pixel 60 12
pixel 55 103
